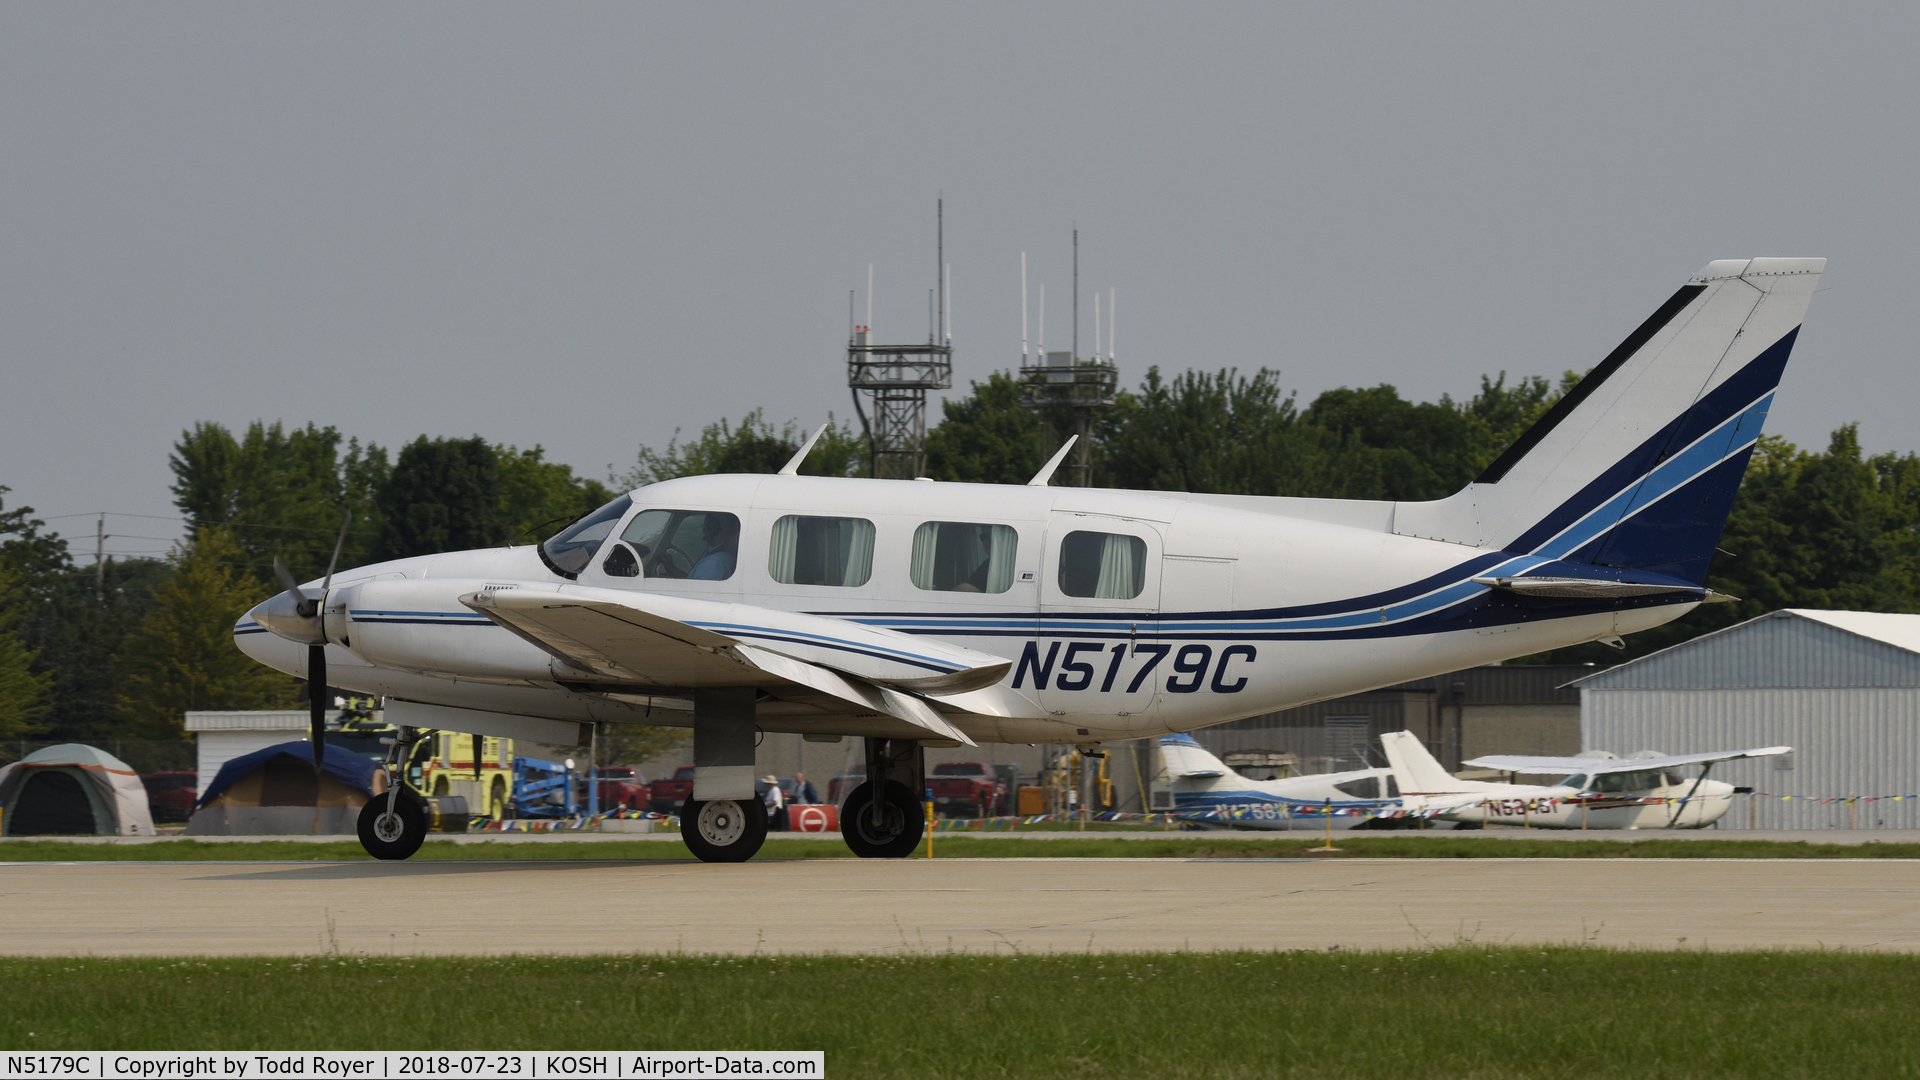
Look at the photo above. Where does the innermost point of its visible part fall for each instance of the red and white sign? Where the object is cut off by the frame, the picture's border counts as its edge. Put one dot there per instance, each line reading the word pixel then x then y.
pixel 814 817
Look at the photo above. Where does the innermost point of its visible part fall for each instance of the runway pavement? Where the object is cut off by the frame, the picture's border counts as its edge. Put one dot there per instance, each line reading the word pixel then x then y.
pixel 919 906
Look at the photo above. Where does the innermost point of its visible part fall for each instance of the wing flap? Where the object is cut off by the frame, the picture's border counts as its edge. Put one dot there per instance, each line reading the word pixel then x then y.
pixel 880 699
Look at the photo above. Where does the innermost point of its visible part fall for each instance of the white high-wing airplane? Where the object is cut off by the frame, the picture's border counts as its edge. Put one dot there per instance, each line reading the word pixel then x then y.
pixel 1201 782
pixel 910 613
pixel 1601 791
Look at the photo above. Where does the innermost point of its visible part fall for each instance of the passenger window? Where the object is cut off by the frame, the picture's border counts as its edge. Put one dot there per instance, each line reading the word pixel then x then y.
pixel 821 551
pixel 954 556
pixel 1105 566
pixel 702 545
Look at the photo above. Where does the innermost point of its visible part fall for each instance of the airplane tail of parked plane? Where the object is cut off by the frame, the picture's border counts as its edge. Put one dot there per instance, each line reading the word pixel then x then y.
pixel 1416 770
pixel 1635 469
pixel 1186 757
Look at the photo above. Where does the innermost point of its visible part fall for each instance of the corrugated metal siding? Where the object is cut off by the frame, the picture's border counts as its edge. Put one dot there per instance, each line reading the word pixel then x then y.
pixel 1778 650
pixel 1507 684
pixel 1858 741
pixel 235 720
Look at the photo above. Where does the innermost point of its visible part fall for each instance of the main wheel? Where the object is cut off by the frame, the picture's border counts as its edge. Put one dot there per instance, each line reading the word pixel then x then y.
pixel 896 834
pixel 395 835
pixel 723 830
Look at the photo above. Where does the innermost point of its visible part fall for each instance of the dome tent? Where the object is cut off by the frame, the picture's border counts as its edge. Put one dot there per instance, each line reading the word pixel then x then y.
pixel 273 791
pixel 71 789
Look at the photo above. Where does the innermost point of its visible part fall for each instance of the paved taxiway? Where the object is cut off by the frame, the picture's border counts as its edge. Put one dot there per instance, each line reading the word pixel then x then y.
pixel 124 908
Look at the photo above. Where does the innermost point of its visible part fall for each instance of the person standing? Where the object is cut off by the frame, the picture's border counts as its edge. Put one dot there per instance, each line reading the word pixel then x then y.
pixel 776 801
pixel 803 792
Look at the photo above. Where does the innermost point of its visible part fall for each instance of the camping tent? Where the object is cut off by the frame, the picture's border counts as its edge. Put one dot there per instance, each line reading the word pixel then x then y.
pixel 72 789
pixel 274 790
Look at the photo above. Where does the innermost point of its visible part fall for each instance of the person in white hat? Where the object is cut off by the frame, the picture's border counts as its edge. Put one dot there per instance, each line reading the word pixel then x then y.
pixel 776 801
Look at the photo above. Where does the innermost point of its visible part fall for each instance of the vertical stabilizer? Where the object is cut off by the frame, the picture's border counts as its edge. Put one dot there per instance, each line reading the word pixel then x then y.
pixel 1415 769
pixel 1636 467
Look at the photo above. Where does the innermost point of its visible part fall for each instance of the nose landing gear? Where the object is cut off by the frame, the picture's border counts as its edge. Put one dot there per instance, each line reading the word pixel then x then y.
pixel 393 825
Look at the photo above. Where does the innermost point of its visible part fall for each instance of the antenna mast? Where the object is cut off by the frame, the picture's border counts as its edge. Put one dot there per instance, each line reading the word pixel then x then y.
pixel 896 378
pixel 1066 391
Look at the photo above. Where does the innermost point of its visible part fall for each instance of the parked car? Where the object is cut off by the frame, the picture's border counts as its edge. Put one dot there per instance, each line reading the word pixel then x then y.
pixel 170 795
pixel 667 796
pixel 967 789
pixel 623 787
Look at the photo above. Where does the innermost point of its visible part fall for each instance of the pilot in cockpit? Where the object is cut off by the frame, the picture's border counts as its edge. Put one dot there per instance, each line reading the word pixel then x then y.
pixel 722 534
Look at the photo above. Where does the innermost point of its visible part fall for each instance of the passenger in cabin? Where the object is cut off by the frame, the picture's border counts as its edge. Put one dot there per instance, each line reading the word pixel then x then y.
pixel 722 534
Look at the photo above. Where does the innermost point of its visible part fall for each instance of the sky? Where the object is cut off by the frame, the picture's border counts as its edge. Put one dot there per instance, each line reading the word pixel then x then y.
pixel 587 226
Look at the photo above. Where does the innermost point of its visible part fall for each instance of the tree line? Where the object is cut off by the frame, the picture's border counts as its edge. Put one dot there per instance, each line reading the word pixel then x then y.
pixel 85 657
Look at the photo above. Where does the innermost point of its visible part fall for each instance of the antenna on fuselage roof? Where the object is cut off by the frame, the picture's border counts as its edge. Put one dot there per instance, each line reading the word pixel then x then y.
pixel 792 467
pixel 1046 471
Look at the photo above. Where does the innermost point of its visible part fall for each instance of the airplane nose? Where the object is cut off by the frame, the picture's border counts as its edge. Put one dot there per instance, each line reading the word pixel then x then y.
pixel 280 615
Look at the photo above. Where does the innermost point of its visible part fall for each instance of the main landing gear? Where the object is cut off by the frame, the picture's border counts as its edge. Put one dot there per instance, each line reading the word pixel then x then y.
pixel 887 826
pixel 723 830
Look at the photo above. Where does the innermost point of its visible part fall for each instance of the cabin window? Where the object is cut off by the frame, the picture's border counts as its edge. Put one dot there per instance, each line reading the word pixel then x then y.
pixel 1367 787
pixel 1105 566
pixel 699 544
pixel 956 556
pixel 1578 782
pixel 821 551
pixel 570 550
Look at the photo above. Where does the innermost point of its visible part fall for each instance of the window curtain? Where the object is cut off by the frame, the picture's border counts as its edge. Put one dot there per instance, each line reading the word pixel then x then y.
pixel 925 539
pixel 1002 546
pixel 1116 570
pixel 856 537
pixel 785 551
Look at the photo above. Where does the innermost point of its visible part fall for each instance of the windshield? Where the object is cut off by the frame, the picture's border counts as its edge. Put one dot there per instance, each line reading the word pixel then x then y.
pixel 572 547
pixel 1578 782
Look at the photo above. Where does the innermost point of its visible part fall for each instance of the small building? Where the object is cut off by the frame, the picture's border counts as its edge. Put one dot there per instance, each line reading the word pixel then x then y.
pixel 224 735
pixel 1840 687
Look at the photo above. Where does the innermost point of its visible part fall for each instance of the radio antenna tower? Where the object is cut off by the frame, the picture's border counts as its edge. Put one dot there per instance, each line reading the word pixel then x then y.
pixel 1065 390
pixel 895 378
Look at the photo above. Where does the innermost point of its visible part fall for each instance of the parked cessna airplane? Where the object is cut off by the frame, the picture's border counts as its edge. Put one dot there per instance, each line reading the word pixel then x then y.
pixel 911 613
pixel 1200 782
pixel 1598 792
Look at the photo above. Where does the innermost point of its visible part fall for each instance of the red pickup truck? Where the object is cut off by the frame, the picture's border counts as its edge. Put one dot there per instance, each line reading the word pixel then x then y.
pixel 669 795
pixel 170 795
pixel 622 787
pixel 967 789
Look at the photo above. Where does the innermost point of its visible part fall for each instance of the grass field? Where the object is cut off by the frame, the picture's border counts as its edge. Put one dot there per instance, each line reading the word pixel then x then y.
pixel 1459 1012
pixel 976 847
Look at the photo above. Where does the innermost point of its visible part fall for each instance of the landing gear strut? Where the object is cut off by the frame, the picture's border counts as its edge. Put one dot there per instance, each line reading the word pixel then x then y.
pixel 887 826
pixel 393 825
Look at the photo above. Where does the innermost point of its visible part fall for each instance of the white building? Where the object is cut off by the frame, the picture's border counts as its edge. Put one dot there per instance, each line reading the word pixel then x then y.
pixel 224 735
pixel 1840 687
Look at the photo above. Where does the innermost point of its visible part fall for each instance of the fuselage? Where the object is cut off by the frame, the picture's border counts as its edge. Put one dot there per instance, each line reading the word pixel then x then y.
pixel 1630 801
pixel 1124 614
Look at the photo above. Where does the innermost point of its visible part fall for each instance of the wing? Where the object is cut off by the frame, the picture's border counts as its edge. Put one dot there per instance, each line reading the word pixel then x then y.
pixel 677 644
pixel 1518 763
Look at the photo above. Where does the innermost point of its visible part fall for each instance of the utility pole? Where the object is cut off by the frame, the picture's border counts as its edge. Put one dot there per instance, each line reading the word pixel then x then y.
pixel 100 559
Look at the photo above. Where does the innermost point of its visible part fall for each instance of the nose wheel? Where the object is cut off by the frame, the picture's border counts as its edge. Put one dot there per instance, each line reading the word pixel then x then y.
pixel 723 830
pixel 393 827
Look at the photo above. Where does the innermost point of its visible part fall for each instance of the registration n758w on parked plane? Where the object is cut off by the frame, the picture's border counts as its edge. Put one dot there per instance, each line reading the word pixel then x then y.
pixel 916 613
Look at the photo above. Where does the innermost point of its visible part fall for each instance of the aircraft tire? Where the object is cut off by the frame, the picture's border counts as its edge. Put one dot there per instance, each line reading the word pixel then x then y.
pixel 723 830
pixel 899 831
pixel 385 841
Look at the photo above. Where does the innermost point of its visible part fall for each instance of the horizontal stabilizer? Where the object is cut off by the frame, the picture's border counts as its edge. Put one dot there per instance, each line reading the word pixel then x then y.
pixel 1186 757
pixel 1568 765
pixel 1569 588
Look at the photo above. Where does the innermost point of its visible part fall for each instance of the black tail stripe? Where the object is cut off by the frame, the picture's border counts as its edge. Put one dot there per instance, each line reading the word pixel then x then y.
pixel 1654 324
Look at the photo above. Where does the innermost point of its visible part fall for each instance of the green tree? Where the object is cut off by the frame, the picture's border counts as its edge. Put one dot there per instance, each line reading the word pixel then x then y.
pixel 24 690
pixel 443 495
pixel 183 657
pixel 280 492
pixel 752 446
pixel 1220 432
pixel 987 437
pixel 538 496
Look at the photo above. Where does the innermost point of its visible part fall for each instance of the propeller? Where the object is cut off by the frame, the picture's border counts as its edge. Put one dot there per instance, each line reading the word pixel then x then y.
pixel 308 607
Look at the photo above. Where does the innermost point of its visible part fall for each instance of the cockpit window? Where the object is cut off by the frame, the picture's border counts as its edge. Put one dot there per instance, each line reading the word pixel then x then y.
pixel 572 548
pixel 1366 787
pixel 703 545
pixel 1578 782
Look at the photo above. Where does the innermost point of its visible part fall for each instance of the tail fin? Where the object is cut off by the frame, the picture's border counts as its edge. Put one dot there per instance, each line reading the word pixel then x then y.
pixel 1637 466
pixel 1415 769
pixel 1185 757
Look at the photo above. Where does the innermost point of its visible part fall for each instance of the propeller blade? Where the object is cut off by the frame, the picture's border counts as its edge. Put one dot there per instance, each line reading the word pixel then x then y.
pixel 306 605
pixel 317 702
pixel 337 545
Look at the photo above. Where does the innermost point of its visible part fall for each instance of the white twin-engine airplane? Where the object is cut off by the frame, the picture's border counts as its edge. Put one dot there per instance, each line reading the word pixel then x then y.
pixel 1647 791
pixel 916 613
